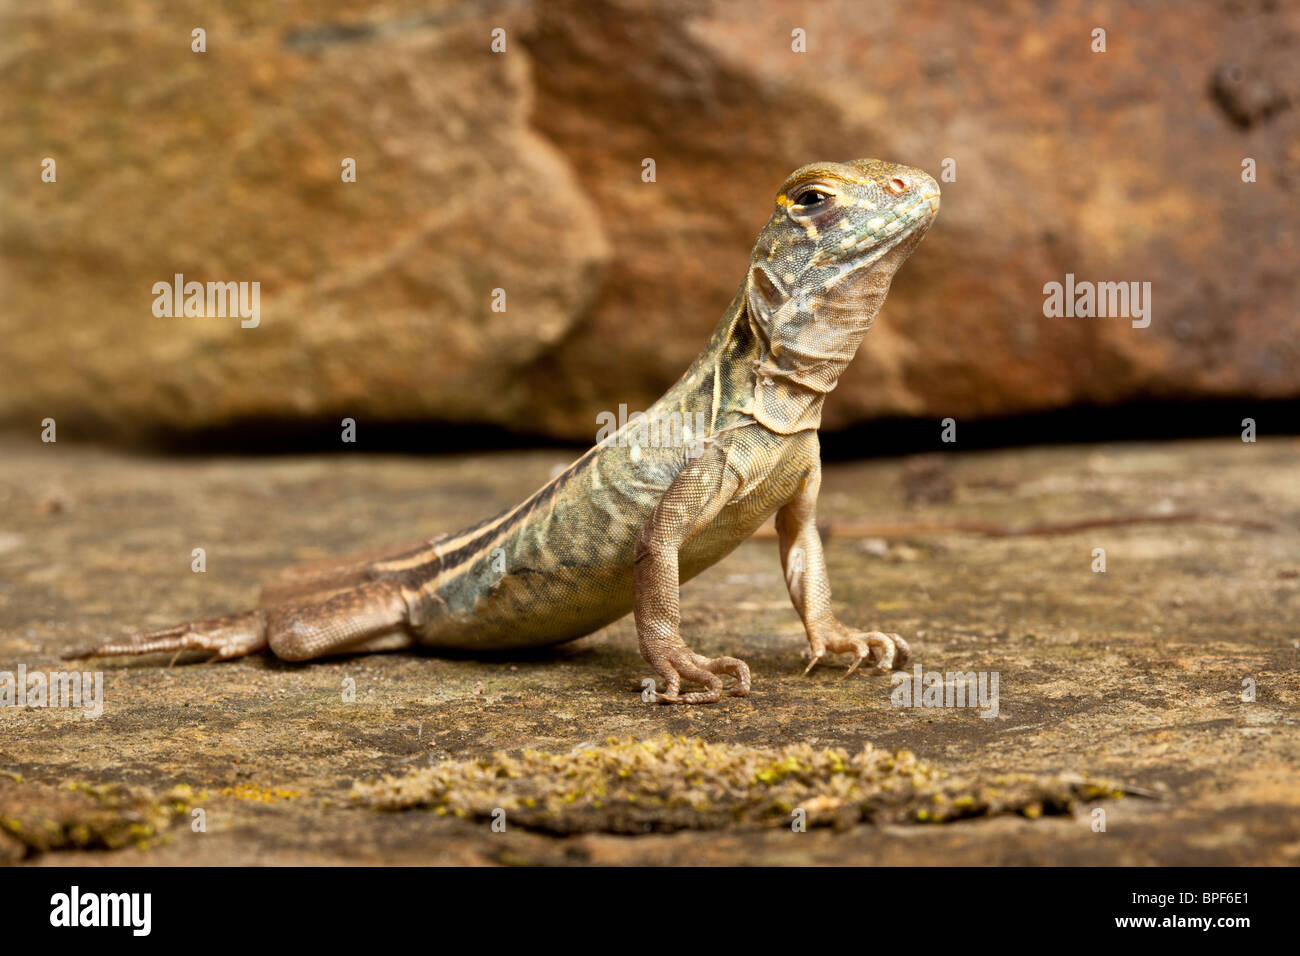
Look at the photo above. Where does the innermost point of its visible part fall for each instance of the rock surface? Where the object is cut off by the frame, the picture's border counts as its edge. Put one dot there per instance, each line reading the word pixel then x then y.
pixel 521 171
pixel 1136 674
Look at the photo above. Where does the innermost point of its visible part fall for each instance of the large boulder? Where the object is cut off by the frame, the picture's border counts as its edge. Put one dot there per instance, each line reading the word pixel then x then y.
pixel 522 171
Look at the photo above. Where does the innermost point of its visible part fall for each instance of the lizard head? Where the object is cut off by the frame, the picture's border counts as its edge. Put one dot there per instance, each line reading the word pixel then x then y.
pixel 821 270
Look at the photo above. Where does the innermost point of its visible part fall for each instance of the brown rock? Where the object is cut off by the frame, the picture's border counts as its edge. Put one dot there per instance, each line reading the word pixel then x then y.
pixel 376 296
pixel 522 171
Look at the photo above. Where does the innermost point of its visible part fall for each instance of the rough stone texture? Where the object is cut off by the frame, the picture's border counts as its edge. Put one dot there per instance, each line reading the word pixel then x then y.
pixel 375 296
pixel 1134 675
pixel 522 171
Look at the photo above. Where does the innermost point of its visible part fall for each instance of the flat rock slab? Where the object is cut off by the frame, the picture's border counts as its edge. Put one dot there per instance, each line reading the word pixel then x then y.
pixel 1173 671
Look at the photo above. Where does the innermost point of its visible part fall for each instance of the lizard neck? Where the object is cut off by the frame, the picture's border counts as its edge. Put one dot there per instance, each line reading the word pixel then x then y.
pixel 720 382
pixel 778 369
pixel 807 342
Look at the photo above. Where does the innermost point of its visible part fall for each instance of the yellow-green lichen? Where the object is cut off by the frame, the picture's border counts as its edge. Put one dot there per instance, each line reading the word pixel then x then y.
pixel 256 794
pixel 672 783
pixel 75 815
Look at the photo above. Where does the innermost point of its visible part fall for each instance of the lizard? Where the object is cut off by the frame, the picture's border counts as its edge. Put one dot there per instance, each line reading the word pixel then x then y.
pixel 656 501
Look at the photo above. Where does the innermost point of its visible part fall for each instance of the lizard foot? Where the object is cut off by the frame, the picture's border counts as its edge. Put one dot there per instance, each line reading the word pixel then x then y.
pixel 233 636
pixel 682 663
pixel 882 652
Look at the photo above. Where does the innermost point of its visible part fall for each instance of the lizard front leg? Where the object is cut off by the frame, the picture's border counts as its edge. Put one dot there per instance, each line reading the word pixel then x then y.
pixel 686 509
pixel 804 565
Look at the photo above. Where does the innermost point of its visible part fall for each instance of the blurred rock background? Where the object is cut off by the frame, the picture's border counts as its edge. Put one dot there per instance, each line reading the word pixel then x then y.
pixel 522 171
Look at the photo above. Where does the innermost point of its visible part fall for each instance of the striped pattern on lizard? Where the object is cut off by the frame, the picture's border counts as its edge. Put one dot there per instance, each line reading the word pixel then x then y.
pixel 733 442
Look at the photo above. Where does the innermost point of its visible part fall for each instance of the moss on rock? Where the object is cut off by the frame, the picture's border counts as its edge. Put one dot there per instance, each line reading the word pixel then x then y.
pixel 685 783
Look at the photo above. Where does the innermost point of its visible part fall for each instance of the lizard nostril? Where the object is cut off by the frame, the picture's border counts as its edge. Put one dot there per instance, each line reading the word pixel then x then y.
pixel 898 185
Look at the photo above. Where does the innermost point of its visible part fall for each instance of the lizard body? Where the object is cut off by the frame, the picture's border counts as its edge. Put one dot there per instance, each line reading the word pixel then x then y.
pixel 655 502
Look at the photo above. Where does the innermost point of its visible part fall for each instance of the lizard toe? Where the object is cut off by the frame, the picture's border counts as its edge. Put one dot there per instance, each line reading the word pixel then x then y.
pixel 736 668
pixel 903 652
pixel 685 665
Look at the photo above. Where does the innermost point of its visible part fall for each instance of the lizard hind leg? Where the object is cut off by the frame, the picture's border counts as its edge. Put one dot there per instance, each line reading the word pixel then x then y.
pixel 369 617
pixel 234 635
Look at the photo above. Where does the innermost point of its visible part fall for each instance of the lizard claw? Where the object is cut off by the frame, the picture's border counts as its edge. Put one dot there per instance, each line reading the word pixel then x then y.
pixel 684 664
pixel 903 652
pixel 816 659
pixel 882 652
pixel 881 663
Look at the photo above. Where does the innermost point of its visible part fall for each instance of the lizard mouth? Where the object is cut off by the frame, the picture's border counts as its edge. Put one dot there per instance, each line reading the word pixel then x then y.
pixel 883 232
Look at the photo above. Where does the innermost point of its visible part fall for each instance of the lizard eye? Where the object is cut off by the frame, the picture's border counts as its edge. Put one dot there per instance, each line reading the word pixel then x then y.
pixel 811 197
